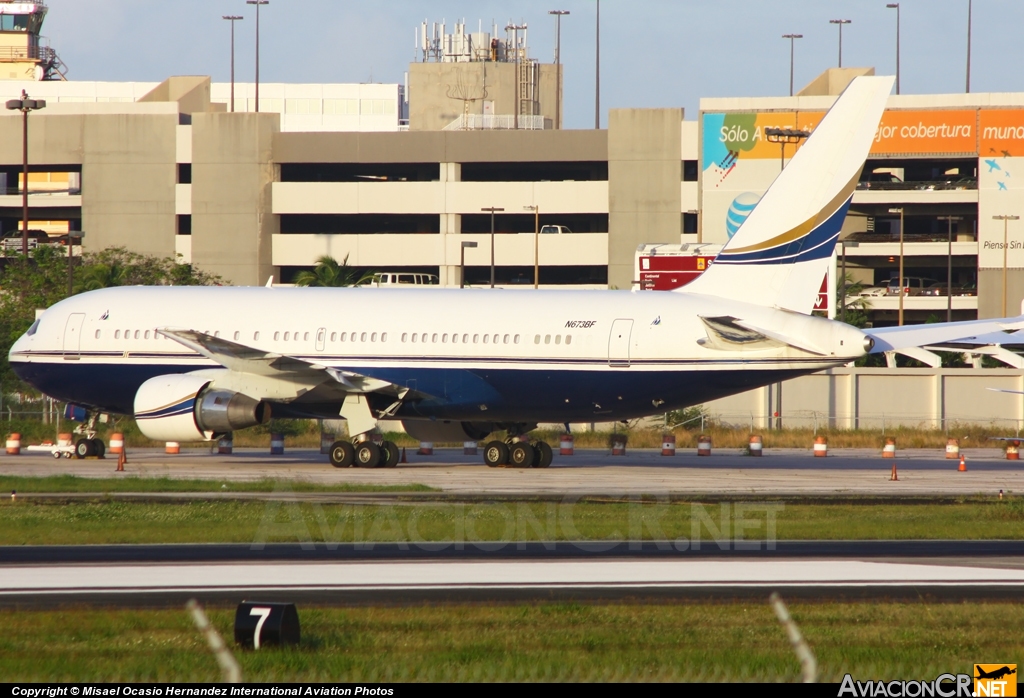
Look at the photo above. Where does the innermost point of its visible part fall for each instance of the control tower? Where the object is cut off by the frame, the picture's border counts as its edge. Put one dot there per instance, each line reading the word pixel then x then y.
pixel 24 54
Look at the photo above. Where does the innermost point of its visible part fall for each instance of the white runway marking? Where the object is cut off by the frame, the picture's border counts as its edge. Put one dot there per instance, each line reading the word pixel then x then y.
pixel 128 579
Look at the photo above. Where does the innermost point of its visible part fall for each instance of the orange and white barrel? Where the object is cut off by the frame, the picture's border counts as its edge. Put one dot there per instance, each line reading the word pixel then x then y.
pixel 952 449
pixel 426 448
pixel 565 445
pixel 1012 450
pixel 14 444
pixel 668 445
pixel 172 448
pixel 63 439
pixel 226 444
pixel 703 445
pixel 756 445
pixel 326 441
pixel 116 444
pixel 469 448
pixel 277 444
pixel 618 445
pixel 889 451
pixel 820 447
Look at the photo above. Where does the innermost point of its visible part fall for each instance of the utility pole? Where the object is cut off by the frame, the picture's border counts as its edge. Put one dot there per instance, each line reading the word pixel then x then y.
pixel 558 64
pixel 492 210
pixel 257 3
pixel 896 6
pixel 25 105
pixel 597 72
pixel 519 95
pixel 840 22
pixel 791 37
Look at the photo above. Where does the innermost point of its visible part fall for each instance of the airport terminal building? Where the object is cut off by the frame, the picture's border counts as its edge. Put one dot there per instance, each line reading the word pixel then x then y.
pixel 344 170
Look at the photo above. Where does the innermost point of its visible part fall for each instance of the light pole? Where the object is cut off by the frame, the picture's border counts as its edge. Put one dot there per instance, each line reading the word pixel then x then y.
pixel 558 64
pixel 782 136
pixel 72 234
pixel 519 95
pixel 949 265
pixel 597 72
pixel 1005 220
pixel 969 13
pixel 25 105
pixel 257 3
pixel 536 242
pixel 840 22
pixel 791 37
pixel 492 210
pixel 232 19
pixel 896 6
pixel 462 262
pixel 901 279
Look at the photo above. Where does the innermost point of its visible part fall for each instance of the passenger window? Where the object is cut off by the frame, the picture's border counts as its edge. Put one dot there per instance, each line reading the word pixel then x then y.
pixel 558 339
pixel 444 338
pixel 384 336
pixel 146 334
pixel 277 336
pixel 255 336
pixel 486 337
pixel 287 336
pixel 495 340
pixel 414 337
pixel 362 337
pixel 547 339
pixel 97 334
pixel 568 339
pixel 506 339
pixel 237 335
pixel 465 339
pixel 536 339
pixel 342 336
pixel 476 338
pixel 423 338
pixel 305 336
pixel 517 339
pixel 117 334
pixel 334 336
pixel 434 338
pixel 455 339
pixel 373 337
pixel 136 334
pixel 405 336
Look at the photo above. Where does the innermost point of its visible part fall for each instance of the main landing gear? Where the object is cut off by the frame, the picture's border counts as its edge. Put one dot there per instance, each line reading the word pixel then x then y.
pixel 89 446
pixel 518 454
pixel 365 454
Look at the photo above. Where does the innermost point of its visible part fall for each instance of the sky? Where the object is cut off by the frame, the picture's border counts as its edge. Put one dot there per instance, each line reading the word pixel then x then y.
pixel 654 53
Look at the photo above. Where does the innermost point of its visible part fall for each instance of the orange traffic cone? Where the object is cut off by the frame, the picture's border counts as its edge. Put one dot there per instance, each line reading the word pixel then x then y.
pixel 894 477
pixel 403 456
pixel 963 464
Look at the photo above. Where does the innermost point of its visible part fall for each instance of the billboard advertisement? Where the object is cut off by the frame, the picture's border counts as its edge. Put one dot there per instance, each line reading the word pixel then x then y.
pixel 926 132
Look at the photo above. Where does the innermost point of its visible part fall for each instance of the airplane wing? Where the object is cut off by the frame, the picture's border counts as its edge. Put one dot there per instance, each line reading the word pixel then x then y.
pixel 732 334
pixel 245 359
pixel 996 331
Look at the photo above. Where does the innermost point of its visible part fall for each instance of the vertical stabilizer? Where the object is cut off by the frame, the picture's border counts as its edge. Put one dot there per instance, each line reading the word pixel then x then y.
pixel 782 251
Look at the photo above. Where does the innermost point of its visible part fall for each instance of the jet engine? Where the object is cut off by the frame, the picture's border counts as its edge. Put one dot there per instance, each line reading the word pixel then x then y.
pixel 441 431
pixel 182 407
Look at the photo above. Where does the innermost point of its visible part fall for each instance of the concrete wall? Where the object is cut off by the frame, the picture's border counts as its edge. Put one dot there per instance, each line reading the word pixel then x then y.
pixel 232 172
pixel 851 398
pixel 437 90
pixel 990 292
pixel 128 181
pixel 644 193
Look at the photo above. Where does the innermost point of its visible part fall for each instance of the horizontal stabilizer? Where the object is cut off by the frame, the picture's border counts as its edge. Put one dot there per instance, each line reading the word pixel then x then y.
pixel 945 335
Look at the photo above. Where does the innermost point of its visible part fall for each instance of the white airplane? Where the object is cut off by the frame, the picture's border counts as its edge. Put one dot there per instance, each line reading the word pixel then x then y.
pixel 197 362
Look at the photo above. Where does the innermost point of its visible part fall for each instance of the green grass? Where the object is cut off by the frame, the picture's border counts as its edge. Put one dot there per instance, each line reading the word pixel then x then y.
pixel 133 483
pixel 27 522
pixel 688 641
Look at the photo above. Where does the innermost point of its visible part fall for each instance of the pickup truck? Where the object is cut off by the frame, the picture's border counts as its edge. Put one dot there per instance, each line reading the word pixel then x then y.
pixel 556 229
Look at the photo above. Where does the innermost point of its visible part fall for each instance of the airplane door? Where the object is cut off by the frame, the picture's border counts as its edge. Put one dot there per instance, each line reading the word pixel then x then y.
pixel 321 335
pixel 73 336
pixel 618 343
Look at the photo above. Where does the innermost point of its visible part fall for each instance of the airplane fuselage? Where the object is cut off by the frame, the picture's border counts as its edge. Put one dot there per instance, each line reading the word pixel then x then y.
pixel 495 355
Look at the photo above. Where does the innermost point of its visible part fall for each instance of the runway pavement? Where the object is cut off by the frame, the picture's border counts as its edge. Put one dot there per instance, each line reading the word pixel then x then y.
pixel 780 472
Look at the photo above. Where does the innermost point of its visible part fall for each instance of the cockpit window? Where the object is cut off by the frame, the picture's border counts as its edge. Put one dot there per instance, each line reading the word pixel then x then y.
pixel 32 330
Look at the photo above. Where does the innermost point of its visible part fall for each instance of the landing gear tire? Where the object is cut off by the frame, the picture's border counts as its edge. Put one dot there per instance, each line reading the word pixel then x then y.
pixel 99 447
pixel 368 455
pixel 543 456
pixel 495 454
pixel 521 455
pixel 389 454
pixel 342 454
pixel 84 448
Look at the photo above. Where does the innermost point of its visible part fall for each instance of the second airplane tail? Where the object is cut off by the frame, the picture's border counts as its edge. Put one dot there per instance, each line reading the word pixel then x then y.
pixel 781 253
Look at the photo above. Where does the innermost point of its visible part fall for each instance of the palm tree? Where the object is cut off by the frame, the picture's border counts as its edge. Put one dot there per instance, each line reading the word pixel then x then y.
pixel 329 273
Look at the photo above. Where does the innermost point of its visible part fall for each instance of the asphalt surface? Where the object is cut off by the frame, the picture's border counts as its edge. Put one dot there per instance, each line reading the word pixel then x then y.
pixel 780 472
